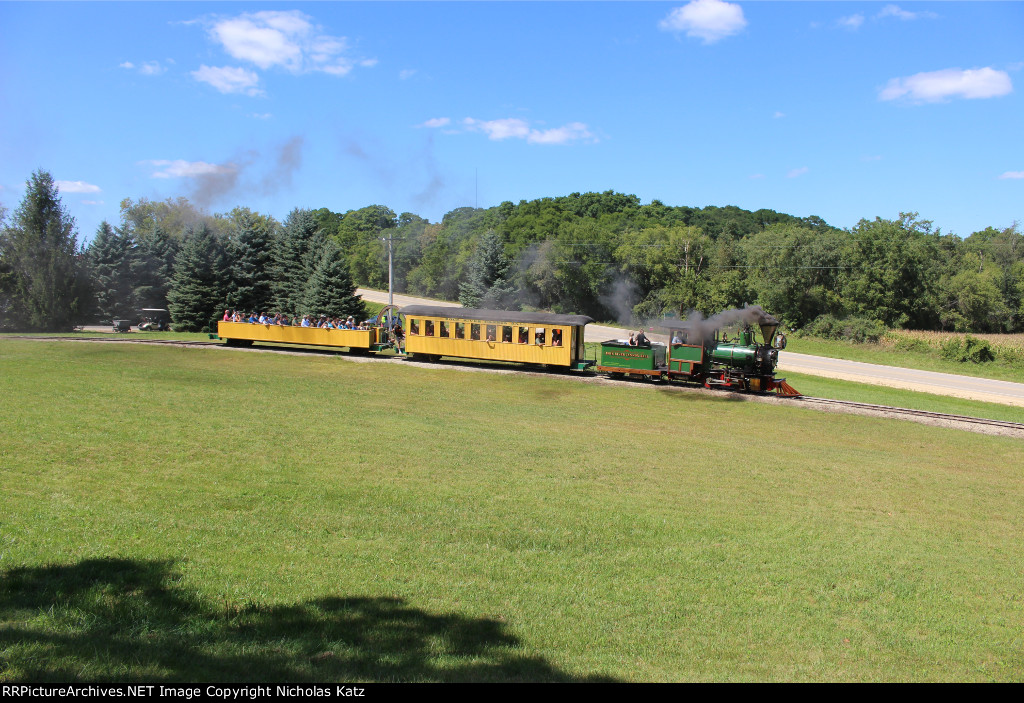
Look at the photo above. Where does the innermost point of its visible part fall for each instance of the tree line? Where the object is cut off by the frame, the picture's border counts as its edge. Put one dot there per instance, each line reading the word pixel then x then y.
pixel 606 255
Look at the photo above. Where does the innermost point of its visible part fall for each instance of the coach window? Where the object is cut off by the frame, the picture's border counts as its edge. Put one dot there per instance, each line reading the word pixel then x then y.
pixel 492 333
pixel 506 334
pixel 474 331
pixel 556 338
pixel 538 336
pixel 428 328
pixel 524 335
pixel 444 330
pixel 414 326
pixel 460 330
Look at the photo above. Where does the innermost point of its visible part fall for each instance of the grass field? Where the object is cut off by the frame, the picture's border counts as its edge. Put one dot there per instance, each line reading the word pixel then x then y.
pixel 182 514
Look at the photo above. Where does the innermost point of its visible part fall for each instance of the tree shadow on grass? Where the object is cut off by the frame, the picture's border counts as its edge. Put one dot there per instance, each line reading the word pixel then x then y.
pixel 132 620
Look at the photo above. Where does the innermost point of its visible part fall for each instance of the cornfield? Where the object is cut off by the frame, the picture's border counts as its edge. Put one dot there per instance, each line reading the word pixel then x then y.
pixel 1008 342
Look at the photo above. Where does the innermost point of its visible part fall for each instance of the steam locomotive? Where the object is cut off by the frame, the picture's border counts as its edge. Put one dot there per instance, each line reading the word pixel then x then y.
pixel 700 351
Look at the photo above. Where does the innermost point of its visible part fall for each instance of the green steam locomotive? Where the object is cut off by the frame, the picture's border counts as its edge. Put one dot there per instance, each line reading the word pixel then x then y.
pixel 701 351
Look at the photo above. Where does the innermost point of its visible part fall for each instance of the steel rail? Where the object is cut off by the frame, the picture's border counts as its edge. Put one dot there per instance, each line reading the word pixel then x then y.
pixel 912 412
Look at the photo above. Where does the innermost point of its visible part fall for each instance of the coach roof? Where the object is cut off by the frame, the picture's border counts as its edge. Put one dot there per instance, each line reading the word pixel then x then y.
pixel 529 318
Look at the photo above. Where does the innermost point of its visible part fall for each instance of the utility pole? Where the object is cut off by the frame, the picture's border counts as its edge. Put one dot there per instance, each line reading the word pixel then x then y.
pixel 391 295
pixel 389 239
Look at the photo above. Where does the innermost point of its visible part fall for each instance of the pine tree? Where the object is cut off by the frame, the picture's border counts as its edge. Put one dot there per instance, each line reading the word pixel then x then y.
pixel 251 255
pixel 298 241
pixel 330 290
pixel 153 267
pixel 197 288
pixel 110 257
pixel 488 285
pixel 43 283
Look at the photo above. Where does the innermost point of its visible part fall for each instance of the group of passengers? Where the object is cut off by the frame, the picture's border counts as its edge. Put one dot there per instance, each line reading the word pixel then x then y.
pixel 639 339
pixel 315 321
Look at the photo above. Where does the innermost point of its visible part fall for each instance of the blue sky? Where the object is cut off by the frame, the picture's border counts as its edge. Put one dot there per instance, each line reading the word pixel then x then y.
pixel 843 110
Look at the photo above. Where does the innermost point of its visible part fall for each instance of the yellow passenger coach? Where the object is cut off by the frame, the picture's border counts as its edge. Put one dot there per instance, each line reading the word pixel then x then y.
pixel 433 331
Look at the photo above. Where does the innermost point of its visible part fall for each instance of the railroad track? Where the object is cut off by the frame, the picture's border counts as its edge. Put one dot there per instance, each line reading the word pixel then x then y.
pixel 1016 427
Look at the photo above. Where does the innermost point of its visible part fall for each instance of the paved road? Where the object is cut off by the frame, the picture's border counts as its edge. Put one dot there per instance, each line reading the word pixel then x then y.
pixel 985 389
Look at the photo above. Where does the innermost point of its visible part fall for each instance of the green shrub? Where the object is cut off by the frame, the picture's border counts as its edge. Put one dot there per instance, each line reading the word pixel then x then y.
pixel 851 329
pixel 912 344
pixel 1011 356
pixel 967 349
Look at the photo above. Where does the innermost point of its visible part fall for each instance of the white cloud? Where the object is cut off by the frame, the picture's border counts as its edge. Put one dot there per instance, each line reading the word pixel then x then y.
pixel 437 122
pixel 851 22
pixel 1013 175
pixel 797 172
pixel 710 20
pixel 499 129
pixel 896 11
pixel 77 187
pixel 261 115
pixel 180 168
pixel 779 115
pixel 407 73
pixel 289 40
pixel 515 128
pixel 151 68
pixel 871 158
pixel 228 79
pixel 254 38
pixel 756 176
pixel 937 86
pixel 92 202
pixel 559 135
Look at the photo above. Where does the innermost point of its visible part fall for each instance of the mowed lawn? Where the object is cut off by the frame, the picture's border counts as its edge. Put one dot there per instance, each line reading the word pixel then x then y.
pixel 211 514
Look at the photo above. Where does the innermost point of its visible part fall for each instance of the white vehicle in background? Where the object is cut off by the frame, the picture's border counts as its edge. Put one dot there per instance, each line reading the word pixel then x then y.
pixel 154 319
